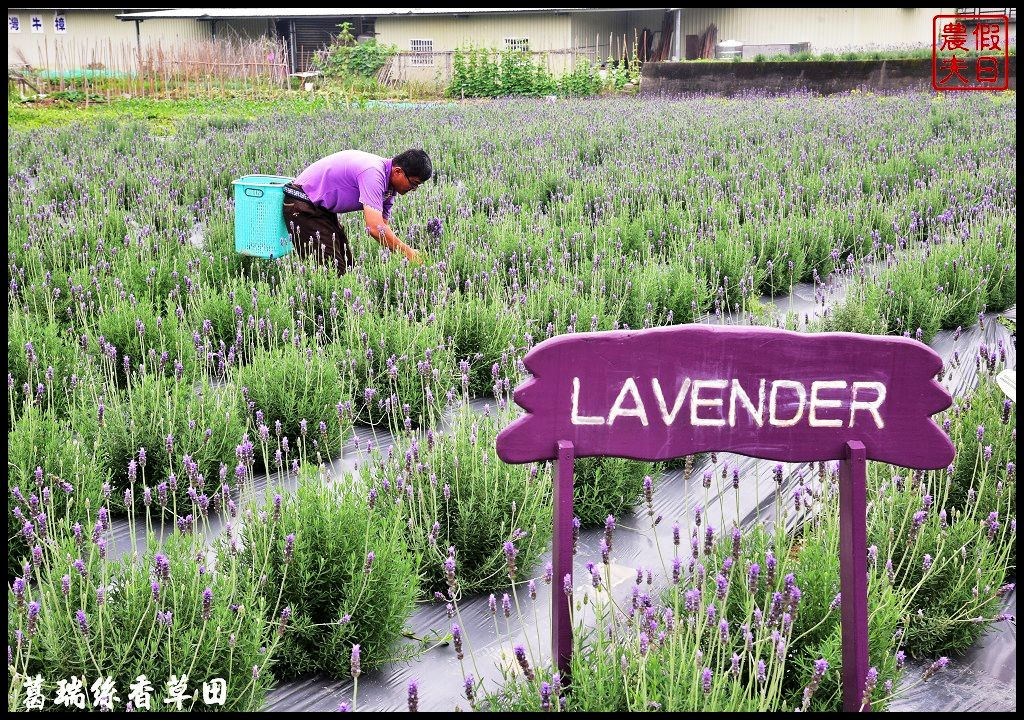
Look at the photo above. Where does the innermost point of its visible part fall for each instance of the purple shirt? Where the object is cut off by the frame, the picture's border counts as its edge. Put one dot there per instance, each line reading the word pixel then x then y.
pixel 348 180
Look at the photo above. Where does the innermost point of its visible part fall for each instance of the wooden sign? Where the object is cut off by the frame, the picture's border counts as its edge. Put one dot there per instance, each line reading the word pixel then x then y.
pixel 773 394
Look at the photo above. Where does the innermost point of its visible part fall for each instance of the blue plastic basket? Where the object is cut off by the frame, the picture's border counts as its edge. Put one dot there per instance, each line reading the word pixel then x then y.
pixel 260 229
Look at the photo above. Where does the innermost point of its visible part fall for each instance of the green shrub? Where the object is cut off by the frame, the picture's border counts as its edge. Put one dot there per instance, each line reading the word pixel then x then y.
pixel 858 313
pixel 337 593
pixel 294 393
pixel 169 420
pixel 981 462
pixel 140 334
pixel 633 666
pixel 481 333
pixel 399 368
pixel 140 620
pixel 45 367
pixel 604 486
pixel 347 58
pixel 453 492
pixel 997 262
pixel 582 81
pixel 960 282
pixel 68 489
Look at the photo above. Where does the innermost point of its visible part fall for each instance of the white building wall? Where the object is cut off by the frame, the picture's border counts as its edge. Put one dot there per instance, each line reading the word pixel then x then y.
pixel 824 28
pixel 94 37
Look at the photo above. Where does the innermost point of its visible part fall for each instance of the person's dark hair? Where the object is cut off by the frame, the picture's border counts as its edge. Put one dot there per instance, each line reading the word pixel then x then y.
pixel 414 162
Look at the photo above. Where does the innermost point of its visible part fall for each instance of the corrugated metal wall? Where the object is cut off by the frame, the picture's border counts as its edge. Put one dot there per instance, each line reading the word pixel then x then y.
pixel 599 33
pixel 824 28
pixel 639 20
pixel 93 37
pixel 245 29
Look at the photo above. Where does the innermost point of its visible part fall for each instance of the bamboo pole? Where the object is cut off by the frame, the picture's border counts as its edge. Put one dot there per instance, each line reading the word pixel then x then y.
pixel 106 64
pixel 85 75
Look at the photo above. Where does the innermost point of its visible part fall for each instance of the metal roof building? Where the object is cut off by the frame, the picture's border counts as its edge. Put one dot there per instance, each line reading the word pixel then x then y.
pixel 430 34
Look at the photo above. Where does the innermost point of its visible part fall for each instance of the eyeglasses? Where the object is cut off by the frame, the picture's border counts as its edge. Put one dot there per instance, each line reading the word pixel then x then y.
pixel 414 182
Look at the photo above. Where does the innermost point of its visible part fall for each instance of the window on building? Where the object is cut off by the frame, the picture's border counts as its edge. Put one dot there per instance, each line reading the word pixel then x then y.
pixel 423 52
pixel 520 43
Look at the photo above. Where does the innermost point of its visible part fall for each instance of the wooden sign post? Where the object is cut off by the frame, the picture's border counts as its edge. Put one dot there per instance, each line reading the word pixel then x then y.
pixel 772 394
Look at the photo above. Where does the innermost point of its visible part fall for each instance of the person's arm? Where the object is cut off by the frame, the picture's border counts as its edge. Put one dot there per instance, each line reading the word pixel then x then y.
pixel 379 229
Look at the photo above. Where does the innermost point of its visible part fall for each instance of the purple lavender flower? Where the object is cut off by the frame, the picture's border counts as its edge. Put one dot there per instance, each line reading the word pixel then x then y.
pixel 820 668
pixel 520 652
pixel 510 559
pixel 414 696
pixel 705 680
pixel 207 602
pixel 939 664
pixel 355 665
pixel 163 566
pixel 609 530
pixel 33 618
pixel 83 622
pixel 722 585
pixel 289 547
pixel 993 524
pixel 753 577
pixel 870 682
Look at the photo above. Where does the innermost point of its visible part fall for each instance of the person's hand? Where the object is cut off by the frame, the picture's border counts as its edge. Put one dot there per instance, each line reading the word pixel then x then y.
pixel 414 256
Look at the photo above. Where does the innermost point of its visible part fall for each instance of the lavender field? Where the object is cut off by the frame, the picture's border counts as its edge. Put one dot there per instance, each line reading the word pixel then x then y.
pixel 243 484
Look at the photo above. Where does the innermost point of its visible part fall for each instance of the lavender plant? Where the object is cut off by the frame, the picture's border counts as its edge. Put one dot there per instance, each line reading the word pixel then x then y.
pixel 336 562
pixel 54 482
pixel 294 400
pixel 472 520
pixel 166 436
pixel 161 624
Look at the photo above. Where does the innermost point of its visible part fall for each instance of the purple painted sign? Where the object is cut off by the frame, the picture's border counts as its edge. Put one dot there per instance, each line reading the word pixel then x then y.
pixel 773 394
